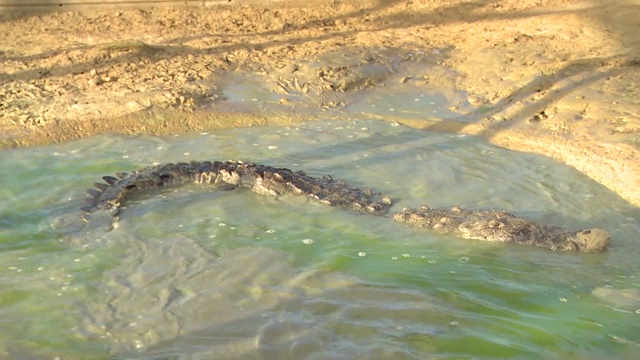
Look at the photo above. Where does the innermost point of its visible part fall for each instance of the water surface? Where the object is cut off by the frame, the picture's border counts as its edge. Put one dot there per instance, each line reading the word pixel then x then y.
pixel 192 273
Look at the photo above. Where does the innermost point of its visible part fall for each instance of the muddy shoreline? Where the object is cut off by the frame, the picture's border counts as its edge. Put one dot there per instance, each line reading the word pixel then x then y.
pixel 559 78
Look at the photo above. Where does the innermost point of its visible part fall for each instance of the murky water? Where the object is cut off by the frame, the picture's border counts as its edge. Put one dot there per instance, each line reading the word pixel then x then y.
pixel 198 274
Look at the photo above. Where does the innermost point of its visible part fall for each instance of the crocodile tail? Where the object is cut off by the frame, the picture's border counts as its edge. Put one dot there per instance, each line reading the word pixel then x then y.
pixel 109 196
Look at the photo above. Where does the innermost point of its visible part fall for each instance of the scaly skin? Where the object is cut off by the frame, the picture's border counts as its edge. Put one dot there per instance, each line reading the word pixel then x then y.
pixel 231 174
pixel 501 226
pixel 488 225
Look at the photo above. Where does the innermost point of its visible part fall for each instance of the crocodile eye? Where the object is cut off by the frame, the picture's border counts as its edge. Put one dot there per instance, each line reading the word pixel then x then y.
pixel 416 217
pixel 495 224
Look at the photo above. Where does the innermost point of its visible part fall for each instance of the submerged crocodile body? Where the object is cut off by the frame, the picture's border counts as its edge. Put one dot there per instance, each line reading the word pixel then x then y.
pixel 488 225
pixel 501 226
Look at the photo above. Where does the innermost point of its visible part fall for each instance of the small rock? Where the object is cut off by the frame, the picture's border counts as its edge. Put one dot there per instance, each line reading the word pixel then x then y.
pixel 134 106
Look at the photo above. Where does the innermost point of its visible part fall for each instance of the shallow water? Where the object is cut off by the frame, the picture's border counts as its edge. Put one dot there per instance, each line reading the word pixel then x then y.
pixel 192 274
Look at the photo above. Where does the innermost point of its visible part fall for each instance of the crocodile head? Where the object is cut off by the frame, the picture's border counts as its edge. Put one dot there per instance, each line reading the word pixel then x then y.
pixel 494 225
pixel 501 226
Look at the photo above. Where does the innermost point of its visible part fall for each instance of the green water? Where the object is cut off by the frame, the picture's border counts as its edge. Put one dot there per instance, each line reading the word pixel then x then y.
pixel 198 274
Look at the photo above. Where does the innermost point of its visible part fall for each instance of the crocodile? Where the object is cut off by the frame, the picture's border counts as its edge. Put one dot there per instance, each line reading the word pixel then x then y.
pixel 488 225
pixel 501 226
